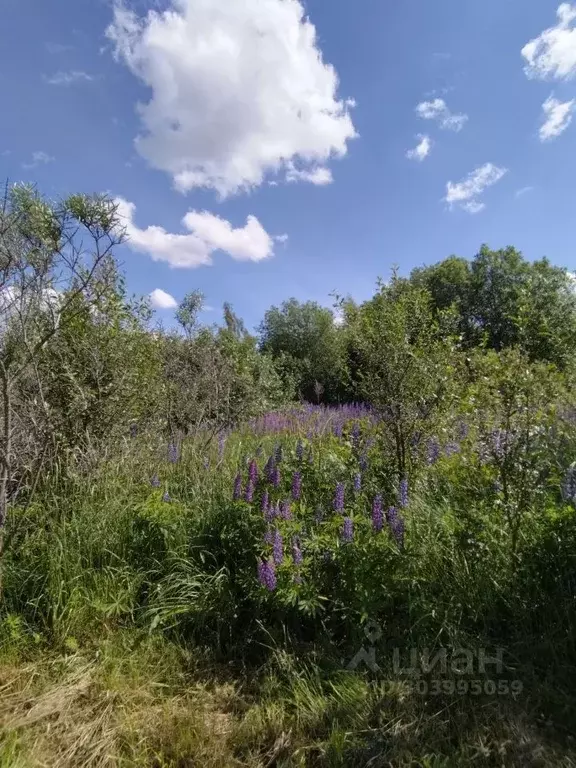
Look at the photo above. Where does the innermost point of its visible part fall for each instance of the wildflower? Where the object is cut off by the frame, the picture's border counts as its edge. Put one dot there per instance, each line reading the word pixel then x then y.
pixel 173 453
pixel 396 524
pixel 363 463
pixel 463 430
pixel 337 430
pixel 253 472
pixel 569 484
pixel 166 496
pixel 269 468
pixel 355 436
pixel 278 454
pixel 133 430
pixel 451 448
pixel 299 450
pixel 347 530
pixel 433 450
pixel 339 498
pixel 403 493
pixel 269 536
pixel 249 491
pixel 296 486
pixel 267 574
pixel 285 512
pixel 377 514
pixel 155 482
pixel 275 477
pixel 264 502
pixel 357 482
pixel 237 487
pixel 278 550
pixel 296 551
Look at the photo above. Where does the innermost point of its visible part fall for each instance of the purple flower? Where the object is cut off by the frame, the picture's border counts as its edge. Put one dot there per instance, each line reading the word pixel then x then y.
pixel 339 498
pixel 264 503
pixel 278 454
pixel 569 485
pixel 347 530
pixel 357 482
pixel 337 430
pixel 285 511
pixel 296 551
pixel 269 468
pixel 299 450
pixel 278 550
pixel 253 472
pixel 403 493
pixel 355 435
pixel 396 524
pixel 155 482
pixel 166 496
pixel 433 450
pixel 451 448
pixel 269 536
pixel 463 430
pixel 237 487
pixel 173 453
pixel 296 486
pixel 275 477
pixel 363 463
pixel 267 574
pixel 249 491
pixel 377 514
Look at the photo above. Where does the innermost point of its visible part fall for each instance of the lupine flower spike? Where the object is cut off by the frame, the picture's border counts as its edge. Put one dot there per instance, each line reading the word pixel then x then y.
pixel 267 574
pixel 377 514
pixel 347 530
pixel 339 498
pixel 237 487
pixel 296 486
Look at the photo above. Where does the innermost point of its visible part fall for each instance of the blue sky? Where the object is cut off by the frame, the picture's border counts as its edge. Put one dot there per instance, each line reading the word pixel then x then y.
pixel 248 92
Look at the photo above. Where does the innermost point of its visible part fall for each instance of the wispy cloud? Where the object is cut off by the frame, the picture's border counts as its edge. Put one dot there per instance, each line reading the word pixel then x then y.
pixel 523 191
pixel 552 55
pixel 557 117
pixel 421 150
pixel 39 158
pixel 465 193
pixel 319 176
pixel 69 78
pixel 437 110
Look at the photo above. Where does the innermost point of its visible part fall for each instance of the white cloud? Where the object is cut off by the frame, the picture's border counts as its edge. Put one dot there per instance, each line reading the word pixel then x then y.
pixel 69 78
pixel 281 238
pixel 466 192
pixel 437 109
pixel 552 55
pixel 523 191
pixel 319 175
pixel 557 117
pixel 39 158
pixel 422 150
pixel 207 233
pixel 238 90
pixel 162 300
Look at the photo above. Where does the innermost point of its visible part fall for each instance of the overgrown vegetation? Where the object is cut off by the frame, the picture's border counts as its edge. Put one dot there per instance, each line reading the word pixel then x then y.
pixel 296 549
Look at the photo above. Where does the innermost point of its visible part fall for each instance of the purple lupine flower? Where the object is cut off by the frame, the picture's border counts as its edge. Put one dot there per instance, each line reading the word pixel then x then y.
pixel 155 482
pixel 249 491
pixel 377 514
pixel 363 463
pixel 270 512
pixel 237 487
pixel 347 529
pixel 133 430
pixel 355 436
pixel 569 485
pixel 296 486
pixel 275 477
pixel 296 551
pixel 357 482
pixel 433 450
pixel 285 511
pixel 339 498
pixel 267 574
pixel 166 496
pixel 451 448
pixel 173 453
pixel 299 450
pixel 396 525
pixel 463 430
pixel 269 468
pixel 337 430
pixel 403 493
pixel 278 553
pixel 269 536
pixel 278 454
pixel 253 472
pixel 264 503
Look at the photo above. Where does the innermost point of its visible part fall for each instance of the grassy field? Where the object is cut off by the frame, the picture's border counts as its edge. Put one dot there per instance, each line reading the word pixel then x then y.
pixel 200 604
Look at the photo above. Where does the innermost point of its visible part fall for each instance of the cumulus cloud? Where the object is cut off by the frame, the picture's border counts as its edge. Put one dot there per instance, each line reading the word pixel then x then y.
pixel 238 90
pixel 162 300
pixel 319 176
pixel 421 150
pixel 557 117
pixel 69 78
pixel 552 55
pixel 39 158
pixel 206 234
pixel 437 109
pixel 466 192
